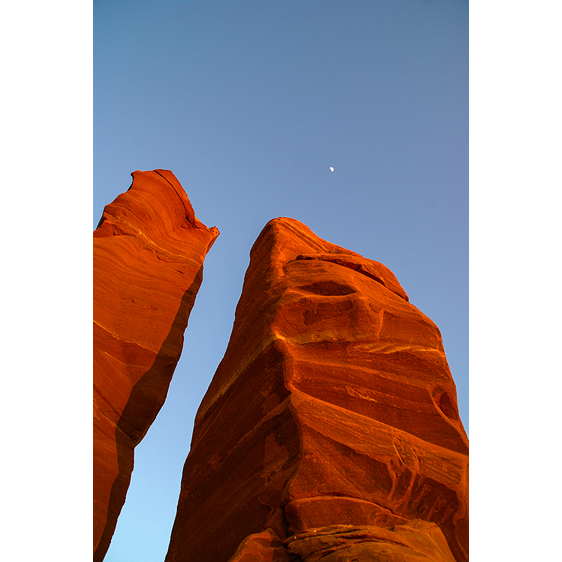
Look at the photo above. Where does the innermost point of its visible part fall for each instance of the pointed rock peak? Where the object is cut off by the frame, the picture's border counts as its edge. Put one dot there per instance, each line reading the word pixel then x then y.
pixel 288 240
pixel 148 259
pixel 156 207
pixel 331 424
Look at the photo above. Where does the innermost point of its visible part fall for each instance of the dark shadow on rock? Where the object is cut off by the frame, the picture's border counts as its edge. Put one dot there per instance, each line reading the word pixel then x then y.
pixel 146 399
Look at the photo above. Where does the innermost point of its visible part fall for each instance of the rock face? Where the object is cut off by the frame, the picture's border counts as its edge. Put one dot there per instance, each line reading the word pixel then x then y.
pixel 330 429
pixel 148 265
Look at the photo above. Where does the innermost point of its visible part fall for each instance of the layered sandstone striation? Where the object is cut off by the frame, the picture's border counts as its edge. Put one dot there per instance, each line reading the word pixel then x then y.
pixel 330 429
pixel 149 250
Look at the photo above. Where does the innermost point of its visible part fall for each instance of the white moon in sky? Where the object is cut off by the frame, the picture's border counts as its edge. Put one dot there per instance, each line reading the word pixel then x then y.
pixel 331 169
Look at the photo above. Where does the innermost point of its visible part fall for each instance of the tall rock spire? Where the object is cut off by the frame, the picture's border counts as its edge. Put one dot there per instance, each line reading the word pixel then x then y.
pixel 330 429
pixel 149 250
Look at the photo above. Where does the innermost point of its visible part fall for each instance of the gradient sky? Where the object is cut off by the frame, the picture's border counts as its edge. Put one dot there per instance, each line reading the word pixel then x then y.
pixel 249 103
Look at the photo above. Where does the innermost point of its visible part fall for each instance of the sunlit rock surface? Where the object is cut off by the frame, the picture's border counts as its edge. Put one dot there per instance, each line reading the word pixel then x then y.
pixel 330 429
pixel 148 264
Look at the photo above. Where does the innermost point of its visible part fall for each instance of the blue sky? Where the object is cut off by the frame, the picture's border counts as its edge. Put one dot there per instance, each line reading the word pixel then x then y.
pixel 249 103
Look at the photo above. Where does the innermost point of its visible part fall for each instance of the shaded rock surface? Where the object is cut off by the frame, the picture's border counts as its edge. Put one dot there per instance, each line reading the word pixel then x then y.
pixel 331 426
pixel 149 250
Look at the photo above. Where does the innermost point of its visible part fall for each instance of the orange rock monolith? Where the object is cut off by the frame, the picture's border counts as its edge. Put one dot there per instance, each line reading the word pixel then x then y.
pixel 149 250
pixel 330 430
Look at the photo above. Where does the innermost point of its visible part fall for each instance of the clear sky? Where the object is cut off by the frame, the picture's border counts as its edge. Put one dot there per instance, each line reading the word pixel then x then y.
pixel 249 104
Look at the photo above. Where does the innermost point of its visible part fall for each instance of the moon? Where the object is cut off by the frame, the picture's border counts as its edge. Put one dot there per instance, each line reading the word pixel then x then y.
pixel 331 169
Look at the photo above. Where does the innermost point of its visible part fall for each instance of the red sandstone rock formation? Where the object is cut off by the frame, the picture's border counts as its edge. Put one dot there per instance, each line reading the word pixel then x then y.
pixel 148 265
pixel 330 429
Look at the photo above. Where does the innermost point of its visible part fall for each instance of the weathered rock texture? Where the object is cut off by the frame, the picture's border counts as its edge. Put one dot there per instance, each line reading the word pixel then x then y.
pixel 330 429
pixel 148 264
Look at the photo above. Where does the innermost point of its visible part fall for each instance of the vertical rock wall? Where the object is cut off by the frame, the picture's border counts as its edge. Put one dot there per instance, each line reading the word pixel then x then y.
pixel 330 429
pixel 149 250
